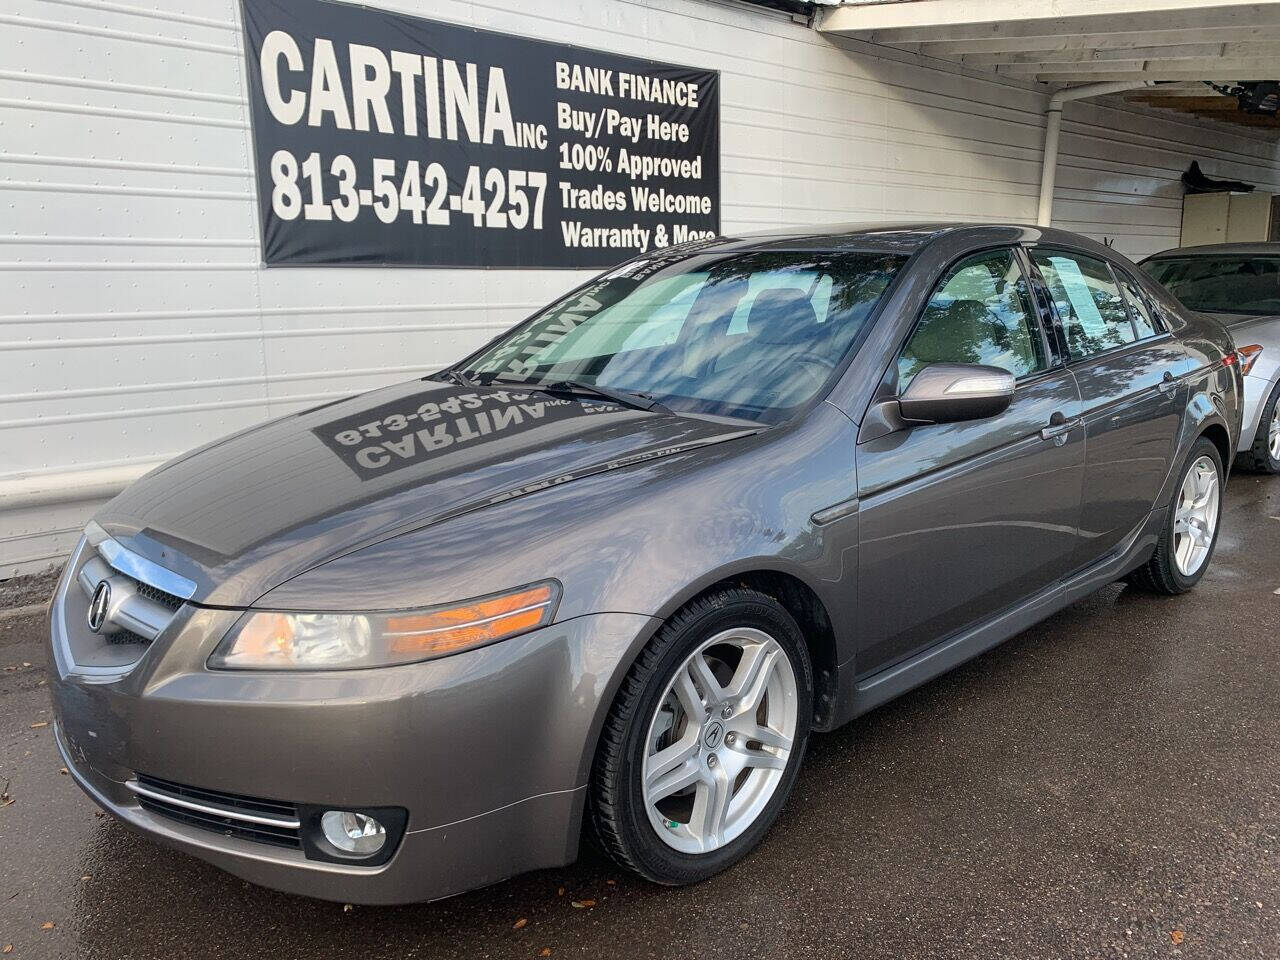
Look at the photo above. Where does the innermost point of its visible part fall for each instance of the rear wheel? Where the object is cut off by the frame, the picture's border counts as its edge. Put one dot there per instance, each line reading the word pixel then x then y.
pixel 703 743
pixel 1191 530
pixel 1264 456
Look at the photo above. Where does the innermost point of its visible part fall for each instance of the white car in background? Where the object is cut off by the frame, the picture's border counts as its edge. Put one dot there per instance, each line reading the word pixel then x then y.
pixel 1238 284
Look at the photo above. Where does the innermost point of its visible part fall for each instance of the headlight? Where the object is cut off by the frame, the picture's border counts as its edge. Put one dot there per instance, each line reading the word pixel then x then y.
pixel 269 640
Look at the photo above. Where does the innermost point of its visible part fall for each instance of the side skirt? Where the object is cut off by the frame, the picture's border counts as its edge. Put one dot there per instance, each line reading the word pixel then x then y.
pixel 881 687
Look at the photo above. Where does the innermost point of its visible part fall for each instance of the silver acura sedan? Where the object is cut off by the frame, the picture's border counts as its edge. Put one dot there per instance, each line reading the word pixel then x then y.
pixel 613 569
pixel 1238 284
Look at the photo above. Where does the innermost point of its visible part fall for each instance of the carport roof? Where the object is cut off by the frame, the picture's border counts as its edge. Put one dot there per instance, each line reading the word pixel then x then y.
pixel 1178 44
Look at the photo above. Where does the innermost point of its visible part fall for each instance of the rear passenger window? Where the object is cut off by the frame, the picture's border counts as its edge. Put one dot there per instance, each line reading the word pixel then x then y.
pixel 1142 318
pixel 981 313
pixel 1088 300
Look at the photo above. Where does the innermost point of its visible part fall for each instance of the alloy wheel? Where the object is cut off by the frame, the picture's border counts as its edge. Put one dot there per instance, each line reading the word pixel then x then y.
pixel 719 740
pixel 1273 433
pixel 1196 517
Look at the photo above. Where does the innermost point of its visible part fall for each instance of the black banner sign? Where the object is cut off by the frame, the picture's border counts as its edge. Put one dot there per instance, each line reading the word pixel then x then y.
pixel 387 139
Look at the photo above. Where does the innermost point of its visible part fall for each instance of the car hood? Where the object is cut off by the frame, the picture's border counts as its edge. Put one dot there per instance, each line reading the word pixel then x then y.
pixel 246 513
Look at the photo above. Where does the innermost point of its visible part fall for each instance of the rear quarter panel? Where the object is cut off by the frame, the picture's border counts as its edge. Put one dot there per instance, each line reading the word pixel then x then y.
pixel 1215 392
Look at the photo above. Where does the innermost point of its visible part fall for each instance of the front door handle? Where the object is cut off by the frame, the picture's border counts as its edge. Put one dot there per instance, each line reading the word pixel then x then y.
pixel 1058 428
pixel 1168 383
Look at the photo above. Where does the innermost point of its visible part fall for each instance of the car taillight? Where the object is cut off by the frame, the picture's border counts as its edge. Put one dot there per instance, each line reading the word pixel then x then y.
pixel 1248 356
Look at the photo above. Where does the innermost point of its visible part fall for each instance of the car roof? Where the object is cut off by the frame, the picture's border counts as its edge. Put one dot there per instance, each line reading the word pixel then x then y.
pixel 906 238
pixel 1219 249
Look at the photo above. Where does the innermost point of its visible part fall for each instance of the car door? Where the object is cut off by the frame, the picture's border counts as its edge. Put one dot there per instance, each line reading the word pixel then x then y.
pixel 958 521
pixel 1130 374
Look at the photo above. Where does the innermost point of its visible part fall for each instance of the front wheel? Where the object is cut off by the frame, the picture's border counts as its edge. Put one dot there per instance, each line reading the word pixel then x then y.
pixel 703 743
pixel 1191 530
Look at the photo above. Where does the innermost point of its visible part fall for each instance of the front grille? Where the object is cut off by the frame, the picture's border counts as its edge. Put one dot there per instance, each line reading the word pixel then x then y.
pixel 229 814
pixel 126 636
pixel 139 611
pixel 158 595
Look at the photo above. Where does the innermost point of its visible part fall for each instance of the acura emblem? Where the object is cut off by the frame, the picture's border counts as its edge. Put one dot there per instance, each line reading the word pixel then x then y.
pixel 713 735
pixel 98 606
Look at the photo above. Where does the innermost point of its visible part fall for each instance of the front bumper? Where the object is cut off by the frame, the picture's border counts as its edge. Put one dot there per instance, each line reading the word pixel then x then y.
pixel 488 750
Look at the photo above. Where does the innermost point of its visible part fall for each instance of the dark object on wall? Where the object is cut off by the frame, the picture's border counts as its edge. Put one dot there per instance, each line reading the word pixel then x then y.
pixel 1260 97
pixel 386 139
pixel 1196 181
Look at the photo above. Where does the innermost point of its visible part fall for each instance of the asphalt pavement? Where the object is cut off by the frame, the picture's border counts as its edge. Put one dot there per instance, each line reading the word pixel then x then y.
pixel 1107 784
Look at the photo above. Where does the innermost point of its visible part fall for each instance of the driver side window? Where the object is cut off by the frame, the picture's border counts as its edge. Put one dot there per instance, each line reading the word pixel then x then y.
pixel 982 312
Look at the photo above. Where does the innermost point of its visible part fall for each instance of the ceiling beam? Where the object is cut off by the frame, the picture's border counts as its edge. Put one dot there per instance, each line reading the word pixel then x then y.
pixel 1164 73
pixel 1179 88
pixel 1214 104
pixel 1209 68
pixel 942 20
pixel 1224 112
pixel 1099 41
pixel 1182 51
pixel 1083 68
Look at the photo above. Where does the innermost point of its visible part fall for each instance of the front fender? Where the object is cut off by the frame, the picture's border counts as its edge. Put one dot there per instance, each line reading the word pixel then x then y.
pixel 642 540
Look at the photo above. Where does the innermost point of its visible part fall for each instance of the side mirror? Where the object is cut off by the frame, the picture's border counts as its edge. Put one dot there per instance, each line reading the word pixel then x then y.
pixel 950 392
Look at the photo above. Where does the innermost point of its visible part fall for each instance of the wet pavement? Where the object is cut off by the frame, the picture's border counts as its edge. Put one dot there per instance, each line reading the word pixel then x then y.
pixel 1107 784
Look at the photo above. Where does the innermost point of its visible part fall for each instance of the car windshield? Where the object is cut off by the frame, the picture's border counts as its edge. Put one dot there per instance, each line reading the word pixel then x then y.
pixel 1237 284
pixel 753 335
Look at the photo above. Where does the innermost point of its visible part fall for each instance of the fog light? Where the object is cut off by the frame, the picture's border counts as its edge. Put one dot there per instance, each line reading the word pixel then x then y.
pixel 353 832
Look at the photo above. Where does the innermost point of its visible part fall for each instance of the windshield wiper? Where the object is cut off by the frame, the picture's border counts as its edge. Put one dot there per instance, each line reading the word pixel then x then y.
pixel 451 374
pixel 628 398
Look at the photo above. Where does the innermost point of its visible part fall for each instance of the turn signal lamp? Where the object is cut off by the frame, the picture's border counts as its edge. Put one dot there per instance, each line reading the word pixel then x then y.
pixel 1248 356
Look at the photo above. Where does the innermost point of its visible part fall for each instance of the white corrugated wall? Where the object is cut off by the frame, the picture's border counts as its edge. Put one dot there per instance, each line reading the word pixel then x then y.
pixel 135 320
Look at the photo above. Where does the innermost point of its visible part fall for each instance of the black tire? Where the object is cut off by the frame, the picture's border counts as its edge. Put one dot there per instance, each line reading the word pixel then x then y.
pixel 1160 574
pixel 1258 458
pixel 617 810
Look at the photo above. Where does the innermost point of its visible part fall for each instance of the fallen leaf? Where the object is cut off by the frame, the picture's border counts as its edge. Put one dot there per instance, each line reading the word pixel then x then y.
pixel 522 922
pixel 42 723
pixel 62 769
pixel 580 904
pixel 47 925
pixel 544 952
pixel 347 908
pixel 25 664
pixel 612 883
pixel 560 892
pixel 85 877
pixel 8 948
pixel 1176 936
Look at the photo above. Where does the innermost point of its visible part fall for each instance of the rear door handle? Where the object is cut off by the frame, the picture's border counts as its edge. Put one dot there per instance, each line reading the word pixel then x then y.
pixel 1168 383
pixel 1058 428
